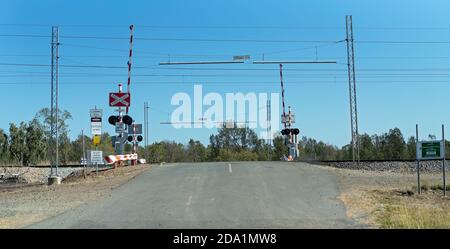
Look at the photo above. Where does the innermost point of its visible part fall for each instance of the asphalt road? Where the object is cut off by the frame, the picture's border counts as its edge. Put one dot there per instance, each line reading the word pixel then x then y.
pixel 217 195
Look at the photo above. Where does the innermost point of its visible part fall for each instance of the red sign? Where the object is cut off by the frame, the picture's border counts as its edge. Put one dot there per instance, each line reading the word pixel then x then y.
pixel 119 99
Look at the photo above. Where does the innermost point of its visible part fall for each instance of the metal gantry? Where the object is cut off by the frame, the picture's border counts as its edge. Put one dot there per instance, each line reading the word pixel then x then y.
pixel 352 88
pixel 53 140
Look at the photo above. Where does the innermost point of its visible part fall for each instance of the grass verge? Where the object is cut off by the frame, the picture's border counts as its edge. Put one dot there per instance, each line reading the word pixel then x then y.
pixel 407 210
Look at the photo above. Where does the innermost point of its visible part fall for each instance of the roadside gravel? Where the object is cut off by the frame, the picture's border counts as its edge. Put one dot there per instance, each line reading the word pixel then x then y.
pixel 30 203
pixel 34 175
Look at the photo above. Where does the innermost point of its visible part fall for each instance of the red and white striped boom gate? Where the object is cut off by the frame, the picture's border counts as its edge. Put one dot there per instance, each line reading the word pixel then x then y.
pixel 113 159
pixel 129 61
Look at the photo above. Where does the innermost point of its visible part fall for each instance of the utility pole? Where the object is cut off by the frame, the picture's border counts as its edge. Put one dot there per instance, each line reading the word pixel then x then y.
pixel 135 147
pixel 443 163
pixel 84 154
pixel 54 140
pixel 417 159
pixel 146 129
pixel 352 88
pixel 269 130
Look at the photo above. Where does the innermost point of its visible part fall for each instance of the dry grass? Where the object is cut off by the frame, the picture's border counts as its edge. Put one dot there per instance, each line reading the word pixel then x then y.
pixel 404 210
pixel 381 200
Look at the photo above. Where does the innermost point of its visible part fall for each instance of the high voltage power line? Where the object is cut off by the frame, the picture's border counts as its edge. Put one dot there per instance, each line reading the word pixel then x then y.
pixel 166 55
pixel 284 27
pixel 225 69
pixel 171 39
pixel 222 56
pixel 234 82
pixel 74 66
pixel 302 76
pixel 231 40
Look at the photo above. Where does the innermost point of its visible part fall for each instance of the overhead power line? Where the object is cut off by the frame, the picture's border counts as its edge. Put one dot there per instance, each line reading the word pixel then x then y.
pixel 166 55
pixel 25 35
pixel 234 82
pixel 231 40
pixel 303 69
pixel 75 66
pixel 235 40
pixel 174 26
pixel 280 27
pixel 402 42
pixel 170 39
pixel 232 69
pixel 268 76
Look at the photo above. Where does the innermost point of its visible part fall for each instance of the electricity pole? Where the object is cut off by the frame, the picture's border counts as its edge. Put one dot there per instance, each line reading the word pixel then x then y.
pixel 146 129
pixel 352 88
pixel 54 141
pixel 84 158
pixel 269 131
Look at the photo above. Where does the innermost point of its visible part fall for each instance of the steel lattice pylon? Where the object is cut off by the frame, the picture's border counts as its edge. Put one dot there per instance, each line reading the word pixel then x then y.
pixel 352 88
pixel 53 140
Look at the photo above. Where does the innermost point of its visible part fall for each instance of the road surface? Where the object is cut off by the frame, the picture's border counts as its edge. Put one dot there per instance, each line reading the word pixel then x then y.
pixel 216 195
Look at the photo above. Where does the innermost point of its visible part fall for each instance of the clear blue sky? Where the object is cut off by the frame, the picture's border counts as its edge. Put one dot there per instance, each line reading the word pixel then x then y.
pixel 387 97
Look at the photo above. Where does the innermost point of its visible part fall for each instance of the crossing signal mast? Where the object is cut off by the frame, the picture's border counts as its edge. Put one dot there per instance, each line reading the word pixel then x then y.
pixel 124 124
pixel 290 134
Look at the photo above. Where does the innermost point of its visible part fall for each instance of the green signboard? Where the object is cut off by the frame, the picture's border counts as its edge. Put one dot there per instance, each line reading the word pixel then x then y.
pixel 430 150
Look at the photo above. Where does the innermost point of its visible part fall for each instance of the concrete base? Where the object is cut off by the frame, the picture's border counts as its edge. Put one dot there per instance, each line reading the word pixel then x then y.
pixel 54 180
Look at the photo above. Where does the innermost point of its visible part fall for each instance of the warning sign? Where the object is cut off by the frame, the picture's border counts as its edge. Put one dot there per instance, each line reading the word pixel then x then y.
pixel 119 99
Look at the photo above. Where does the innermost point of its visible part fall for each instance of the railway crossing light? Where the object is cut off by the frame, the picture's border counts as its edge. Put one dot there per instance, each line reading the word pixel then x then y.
pixel 286 132
pixel 138 138
pixel 130 139
pixel 127 120
pixel 113 120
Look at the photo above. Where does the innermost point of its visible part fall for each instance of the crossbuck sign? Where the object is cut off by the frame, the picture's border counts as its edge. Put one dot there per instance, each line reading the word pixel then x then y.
pixel 119 99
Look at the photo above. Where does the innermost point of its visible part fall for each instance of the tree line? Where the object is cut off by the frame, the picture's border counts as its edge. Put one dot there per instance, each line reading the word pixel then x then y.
pixel 242 144
pixel 26 143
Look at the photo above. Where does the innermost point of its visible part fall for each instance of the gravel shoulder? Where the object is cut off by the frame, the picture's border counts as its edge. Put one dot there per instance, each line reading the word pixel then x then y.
pixel 382 199
pixel 33 175
pixel 22 205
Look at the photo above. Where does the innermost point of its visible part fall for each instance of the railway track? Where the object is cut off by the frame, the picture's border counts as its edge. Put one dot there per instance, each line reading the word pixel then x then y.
pixel 368 161
pixel 59 166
